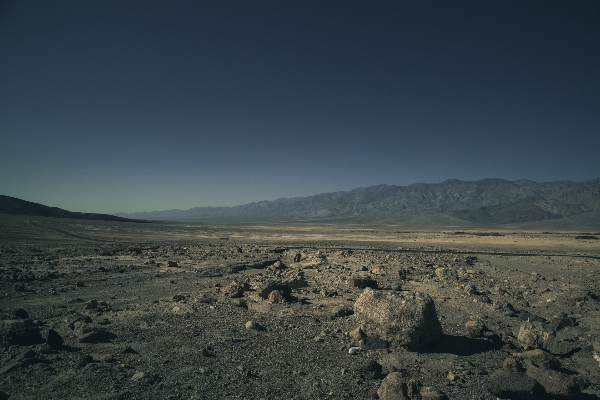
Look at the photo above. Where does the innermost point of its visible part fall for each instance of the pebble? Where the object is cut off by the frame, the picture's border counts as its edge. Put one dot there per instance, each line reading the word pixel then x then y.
pixel 354 350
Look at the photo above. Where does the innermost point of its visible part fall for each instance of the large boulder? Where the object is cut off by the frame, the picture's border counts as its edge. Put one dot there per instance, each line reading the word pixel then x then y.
pixel 408 318
pixel 556 384
pixel 512 385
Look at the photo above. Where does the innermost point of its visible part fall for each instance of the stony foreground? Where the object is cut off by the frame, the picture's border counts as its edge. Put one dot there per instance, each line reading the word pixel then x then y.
pixel 280 320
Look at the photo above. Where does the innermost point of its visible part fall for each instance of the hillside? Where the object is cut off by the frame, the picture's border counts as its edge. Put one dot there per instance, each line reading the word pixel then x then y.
pixel 14 206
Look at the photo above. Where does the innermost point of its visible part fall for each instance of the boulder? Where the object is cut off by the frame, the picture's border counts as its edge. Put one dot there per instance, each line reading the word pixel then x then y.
pixel 511 385
pixel 21 332
pixel 539 358
pixel 532 335
pixel 395 387
pixel 556 384
pixel 408 318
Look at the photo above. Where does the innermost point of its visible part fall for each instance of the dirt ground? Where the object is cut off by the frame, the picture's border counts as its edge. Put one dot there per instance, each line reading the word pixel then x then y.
pixel 145 311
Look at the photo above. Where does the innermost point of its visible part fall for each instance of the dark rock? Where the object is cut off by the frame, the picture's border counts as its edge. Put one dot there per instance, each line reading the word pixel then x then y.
pixel 20 287
pixel 429 393
pixel 20 313
pixel 128 350
pixel 372 369
pixel 53 339
pixel 560 347
pixel 172 264
pixel 374 343
pixel 297 257
pixel 91 305
pixel 474 329
pixel 21 332
pixel 511 385
pixel 512 364
pixel 357 334
pixel 342 312
pixel 277 297
pixel 236 289
pixel 296 283
pixel 3 395
pixel 90 333
pixel 556 384
pixel 362 283
pixel 270 286
pixel 561 322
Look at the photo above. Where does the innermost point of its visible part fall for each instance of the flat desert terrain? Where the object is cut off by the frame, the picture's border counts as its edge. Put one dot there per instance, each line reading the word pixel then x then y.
pixel 104 310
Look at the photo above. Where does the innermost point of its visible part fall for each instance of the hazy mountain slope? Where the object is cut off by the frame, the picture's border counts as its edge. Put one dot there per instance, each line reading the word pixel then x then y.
pixel 488 201
pixel 14 206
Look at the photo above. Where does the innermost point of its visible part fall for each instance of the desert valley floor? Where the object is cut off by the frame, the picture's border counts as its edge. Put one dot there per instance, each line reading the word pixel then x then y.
pixel 105 310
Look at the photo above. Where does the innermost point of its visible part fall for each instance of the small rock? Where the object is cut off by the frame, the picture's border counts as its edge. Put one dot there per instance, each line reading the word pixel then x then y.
pixel 451 376
pixel 254 326
pixel 20 313
pixel 277 297
pixel 374 343
pixel 20 287
pixel 205 370
pixel 555 383
pixel 372 369
pixel 512 364
pixel 172 264
pixel 357 335
pixel 297 257
pixel 474 329
pixel 91 305
pixel 54 339
pixel 471 289
pixel 354 350
pixel 128 350
pixel 270 286
pixel 561 322
pixel 449 274
pixel 429 393
pixel 342 312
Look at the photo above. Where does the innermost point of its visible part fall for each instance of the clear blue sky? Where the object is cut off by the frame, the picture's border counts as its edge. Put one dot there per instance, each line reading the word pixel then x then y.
pixel 109 106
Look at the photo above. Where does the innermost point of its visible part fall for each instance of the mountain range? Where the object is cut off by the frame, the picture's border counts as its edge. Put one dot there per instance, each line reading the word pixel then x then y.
pixel 450 203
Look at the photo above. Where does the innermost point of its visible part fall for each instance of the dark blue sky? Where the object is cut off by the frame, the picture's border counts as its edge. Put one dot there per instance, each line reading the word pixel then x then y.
pixel 109 106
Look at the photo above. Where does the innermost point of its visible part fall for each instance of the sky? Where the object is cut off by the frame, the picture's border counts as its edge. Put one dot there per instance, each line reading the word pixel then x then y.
pixel 123 106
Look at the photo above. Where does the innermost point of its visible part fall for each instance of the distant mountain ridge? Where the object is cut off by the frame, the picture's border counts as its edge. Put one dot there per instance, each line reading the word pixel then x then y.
pixel 14 206
pixel 453 202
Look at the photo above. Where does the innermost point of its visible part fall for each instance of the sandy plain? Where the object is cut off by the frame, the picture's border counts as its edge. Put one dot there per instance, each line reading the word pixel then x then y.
pixel 174 332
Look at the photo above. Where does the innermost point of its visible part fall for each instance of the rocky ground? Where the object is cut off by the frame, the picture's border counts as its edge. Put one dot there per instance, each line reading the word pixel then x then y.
pixel 252 312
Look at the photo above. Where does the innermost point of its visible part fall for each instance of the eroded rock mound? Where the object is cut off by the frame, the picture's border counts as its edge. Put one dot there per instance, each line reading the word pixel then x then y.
pixel 407 319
